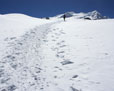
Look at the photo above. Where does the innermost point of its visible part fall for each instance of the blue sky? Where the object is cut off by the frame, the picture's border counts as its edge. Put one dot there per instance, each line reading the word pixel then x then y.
pixel 43 8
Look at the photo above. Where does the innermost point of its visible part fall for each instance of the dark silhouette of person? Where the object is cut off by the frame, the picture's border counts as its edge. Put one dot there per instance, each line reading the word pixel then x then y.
pixel 64 16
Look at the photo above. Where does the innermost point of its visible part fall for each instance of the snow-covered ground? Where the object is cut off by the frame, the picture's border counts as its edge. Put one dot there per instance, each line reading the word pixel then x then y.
pixel 53 55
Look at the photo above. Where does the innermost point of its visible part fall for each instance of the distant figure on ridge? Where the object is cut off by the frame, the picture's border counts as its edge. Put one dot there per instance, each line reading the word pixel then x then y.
pixel 64 16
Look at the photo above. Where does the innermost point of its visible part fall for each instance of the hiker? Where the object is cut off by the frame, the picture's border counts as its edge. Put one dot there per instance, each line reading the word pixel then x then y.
pixel 64 16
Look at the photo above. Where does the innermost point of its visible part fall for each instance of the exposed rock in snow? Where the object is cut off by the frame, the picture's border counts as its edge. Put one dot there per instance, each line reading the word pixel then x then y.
pixel 94 15
pixel 69 14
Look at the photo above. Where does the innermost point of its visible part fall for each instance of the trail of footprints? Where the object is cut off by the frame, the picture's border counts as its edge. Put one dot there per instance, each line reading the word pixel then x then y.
pixel 60 46
pixel 61 49
pixel 19 50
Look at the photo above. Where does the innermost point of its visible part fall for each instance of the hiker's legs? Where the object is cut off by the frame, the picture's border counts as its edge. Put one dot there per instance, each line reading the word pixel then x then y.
pixel 64 19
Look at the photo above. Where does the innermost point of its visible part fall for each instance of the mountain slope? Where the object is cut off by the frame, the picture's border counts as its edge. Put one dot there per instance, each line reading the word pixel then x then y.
pixel 75 55
pixel 94 15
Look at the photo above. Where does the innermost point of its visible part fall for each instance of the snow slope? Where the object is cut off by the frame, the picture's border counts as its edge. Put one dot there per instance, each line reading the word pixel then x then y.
pixel 79 55
pixel 12 26
pixel 94 15
pixel 41 55
pixel 20 22
pixel 12 29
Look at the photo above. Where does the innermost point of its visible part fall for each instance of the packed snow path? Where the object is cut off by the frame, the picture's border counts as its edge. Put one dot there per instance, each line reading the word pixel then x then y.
pixel 20 68
pixel 59 57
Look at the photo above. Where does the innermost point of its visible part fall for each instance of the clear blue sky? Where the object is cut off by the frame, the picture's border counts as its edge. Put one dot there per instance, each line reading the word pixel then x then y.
pixel 43 8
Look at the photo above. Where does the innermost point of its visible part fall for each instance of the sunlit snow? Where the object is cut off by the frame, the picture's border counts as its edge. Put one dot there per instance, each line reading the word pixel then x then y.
pixel 53 55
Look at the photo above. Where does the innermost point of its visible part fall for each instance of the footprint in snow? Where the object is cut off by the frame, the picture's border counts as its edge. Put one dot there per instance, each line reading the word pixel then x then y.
pixel 62 46
pixel 62 32
pixel 54 40
pixel 60 52
pixel 74 89
pixel 57 34
pixel 45 40
pixel 59 56
pixel 66 62
pixel 75 76
pixel 61 42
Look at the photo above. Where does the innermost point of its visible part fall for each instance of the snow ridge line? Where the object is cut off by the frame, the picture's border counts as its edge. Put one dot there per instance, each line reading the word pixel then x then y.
pixel 20 67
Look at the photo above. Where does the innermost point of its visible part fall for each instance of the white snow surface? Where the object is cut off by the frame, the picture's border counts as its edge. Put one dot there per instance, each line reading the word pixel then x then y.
pixel 53 55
